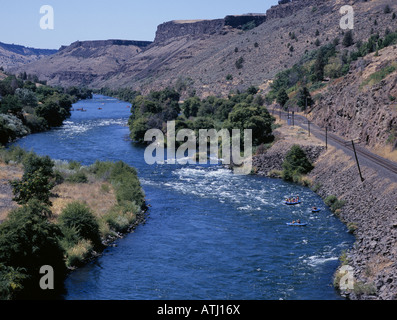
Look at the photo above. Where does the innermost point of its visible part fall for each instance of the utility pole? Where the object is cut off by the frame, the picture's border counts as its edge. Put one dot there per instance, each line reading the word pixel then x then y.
pixel 308 125
pixel 293 118
pixel 326 137
pixel 358 164
pixel 306 105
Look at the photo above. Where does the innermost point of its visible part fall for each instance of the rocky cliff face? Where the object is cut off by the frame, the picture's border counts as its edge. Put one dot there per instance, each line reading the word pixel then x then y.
pixel 196 28
pixel 361 106
pixel 174 29
pixel 104 43
pixel 289 7
pixel 238 21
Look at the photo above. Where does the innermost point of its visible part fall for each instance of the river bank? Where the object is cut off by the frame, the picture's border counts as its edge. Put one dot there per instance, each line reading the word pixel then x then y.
pixel 89 208
pixel 369 209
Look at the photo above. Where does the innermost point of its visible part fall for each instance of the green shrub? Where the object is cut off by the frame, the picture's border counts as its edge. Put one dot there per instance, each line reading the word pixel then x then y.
pixel 387 9
pixel 35 182
pixel 74 165
pixel 105 188
pixel 28 241
pixel 378 76
pixel 32 163
pixel 239 63
pixel 118 220
pixel 348 39
pixel 124 179
pixel 11 281
pixel 334 204
pixel 35 123
pixel 248 26
pixel 53 112
pixel 295 164
pixel 78 177
pixel 34 185
pixel 14 153
pixel 78 215
pixel 77 254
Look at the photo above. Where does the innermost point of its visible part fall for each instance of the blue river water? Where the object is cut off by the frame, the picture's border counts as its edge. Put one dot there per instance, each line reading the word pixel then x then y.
pixel 210 235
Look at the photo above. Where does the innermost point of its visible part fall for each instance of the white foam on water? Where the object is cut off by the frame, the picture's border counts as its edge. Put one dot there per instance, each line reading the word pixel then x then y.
pixel 314 261
pixel 73 128
pixel 248 208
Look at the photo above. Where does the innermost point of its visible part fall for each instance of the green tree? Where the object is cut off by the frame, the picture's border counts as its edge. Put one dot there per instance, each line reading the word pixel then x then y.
pixel 304 98
pixel 318 67
pixel 295 164
pixel 29 241
pixel 11 281
pixel 348 39
pixel 282 98
pixel 36 180
pixel 33 162
pixel 33 185
pixel 10 104
pixel 6 133
pixel 138 130
pixel 191 106
pixel 78 216
pixel 26 96
pixel 257 118
pixel 52 112
pixel 9 85
pixel 239 63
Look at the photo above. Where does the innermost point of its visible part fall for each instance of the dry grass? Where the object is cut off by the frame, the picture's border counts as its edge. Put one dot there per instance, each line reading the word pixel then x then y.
pixel 100 199
pixel 98 195
pixel 386 152
pixel 376 265
pixel 338 156
pixel 296 134
pixel 9 172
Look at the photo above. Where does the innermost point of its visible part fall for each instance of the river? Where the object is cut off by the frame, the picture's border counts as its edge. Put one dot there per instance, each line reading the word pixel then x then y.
pixel 209 234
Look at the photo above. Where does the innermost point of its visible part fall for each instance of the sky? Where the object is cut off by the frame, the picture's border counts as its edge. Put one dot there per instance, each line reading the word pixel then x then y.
pixel 101 20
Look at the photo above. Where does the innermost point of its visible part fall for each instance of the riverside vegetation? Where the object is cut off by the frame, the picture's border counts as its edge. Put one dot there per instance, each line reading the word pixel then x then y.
pixel 39 233
pixel 292 87
pixel 29 106
pixel 240 110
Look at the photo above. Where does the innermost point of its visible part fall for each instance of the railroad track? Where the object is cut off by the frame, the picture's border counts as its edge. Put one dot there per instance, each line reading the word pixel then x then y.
pixel 362 152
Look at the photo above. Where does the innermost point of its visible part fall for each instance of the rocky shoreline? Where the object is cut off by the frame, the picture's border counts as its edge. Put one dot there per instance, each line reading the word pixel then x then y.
pixel 370 212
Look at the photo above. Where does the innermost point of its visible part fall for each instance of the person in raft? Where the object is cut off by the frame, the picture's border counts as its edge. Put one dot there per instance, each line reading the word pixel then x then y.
pixel 292 200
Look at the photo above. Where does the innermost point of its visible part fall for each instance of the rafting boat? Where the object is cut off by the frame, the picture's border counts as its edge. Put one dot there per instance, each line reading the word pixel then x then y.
pixel 292 203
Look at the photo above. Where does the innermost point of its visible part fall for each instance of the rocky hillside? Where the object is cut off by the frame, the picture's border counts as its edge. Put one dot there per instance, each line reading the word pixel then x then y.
pixel 12 55
pixel 363 104
pixel 85 61
pixel 216 56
